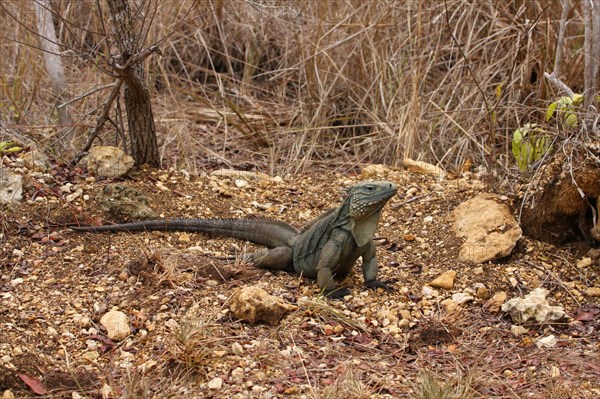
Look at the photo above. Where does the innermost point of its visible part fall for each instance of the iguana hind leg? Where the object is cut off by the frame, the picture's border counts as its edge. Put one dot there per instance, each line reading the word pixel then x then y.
pixel 279 258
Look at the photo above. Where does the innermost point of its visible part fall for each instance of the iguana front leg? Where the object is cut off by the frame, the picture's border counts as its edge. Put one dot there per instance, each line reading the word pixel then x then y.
pixel 329 258
pixel 370 269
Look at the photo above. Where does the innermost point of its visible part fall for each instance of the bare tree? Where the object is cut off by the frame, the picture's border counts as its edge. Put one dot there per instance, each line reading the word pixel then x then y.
pixel 591 15
pixel 140 120
pixel 54 66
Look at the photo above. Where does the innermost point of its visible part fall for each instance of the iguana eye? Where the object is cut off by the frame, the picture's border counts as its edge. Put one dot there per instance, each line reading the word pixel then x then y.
pixel 369 188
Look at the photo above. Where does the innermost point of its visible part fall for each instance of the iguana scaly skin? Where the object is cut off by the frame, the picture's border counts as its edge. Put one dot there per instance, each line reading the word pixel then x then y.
pixel 328 246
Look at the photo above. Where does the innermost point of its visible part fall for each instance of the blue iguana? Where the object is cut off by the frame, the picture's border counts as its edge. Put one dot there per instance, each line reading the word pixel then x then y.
pixel 328 246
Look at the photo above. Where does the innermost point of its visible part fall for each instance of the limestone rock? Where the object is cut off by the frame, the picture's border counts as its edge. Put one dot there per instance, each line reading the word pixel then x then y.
pixel 116 324
pixel 444 280
pixel 593 291
pixel 374 170
pixel 482 292
pixel 449 304
pixel 255 305
pixel 37 161
pixel 496 301
pixel 462 297
pixel 546 342
pixel 124 203
pixel 11 186
pixel 241 175
pixel 489 228
pixel 108 161
pixel 518 330
pixel 534 307
pixel 423 168
pixel 215 383
pixel 584 262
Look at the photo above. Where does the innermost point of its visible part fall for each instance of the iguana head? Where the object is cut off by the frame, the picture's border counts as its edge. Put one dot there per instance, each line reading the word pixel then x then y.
pixel 366 198
pixel 364 203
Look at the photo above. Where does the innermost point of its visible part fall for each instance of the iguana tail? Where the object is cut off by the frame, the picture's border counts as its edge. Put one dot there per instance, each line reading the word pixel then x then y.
pixel 270 233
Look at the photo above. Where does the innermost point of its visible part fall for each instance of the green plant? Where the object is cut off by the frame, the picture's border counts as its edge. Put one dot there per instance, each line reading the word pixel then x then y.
pixel 529 143
pixel 564 108
pixel 7 147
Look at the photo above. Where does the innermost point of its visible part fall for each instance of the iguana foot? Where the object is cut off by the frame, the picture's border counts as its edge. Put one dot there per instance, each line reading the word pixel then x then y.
pixel 337 293
pixel 374 284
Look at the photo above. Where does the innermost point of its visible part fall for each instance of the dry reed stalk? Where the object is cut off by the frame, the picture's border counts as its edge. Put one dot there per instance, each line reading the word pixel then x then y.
pixel 344 82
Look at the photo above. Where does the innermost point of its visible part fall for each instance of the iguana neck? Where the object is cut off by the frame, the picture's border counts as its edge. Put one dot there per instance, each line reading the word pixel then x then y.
pixel 362 229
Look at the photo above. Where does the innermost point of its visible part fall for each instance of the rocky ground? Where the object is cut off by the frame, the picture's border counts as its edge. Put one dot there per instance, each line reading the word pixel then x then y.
pixel 174 289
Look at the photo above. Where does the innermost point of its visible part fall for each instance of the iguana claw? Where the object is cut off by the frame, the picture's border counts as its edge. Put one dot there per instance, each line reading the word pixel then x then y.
pixel 337 293
pixel 374 284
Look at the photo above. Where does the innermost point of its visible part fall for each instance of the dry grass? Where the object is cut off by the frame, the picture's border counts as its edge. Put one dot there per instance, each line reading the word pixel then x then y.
pixel 428 386
pixel 320 309
pixel 293 84
pixel 349 384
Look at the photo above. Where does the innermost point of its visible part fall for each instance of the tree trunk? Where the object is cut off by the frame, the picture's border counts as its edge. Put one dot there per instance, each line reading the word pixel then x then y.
pixel 144 147
pixel 54 67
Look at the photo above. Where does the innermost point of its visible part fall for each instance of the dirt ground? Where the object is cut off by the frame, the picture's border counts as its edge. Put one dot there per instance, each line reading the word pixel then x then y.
pixel 55 285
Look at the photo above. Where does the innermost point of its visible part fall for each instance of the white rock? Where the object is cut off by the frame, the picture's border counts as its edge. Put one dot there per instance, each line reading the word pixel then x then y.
pixel 518 330
pixel 427 291
pixel 423 168
pixel 237 349
pixel 11 186
pixel 462 297
pixel 240 183
pixel 172 324
pixel 374 170
pixel 546 342
pixel 428 219
pixel 116 324
pixel 108 161
pixel 106 391
pixel 534 307
pixel 584 262
pixel 73 196
pixel 215 383
pixel 37 161
pixel 16 281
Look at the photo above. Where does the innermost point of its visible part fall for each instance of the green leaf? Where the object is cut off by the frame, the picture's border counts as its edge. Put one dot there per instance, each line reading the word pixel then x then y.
pixel 571 119
pixel 551 109
pixel 529 143
pixel 564 108
pixel 7 147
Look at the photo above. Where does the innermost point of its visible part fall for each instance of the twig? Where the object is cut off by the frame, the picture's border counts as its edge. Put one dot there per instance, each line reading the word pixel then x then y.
pixel 555 277
pixel 99 124
pixel 559 84
pixel 84 95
